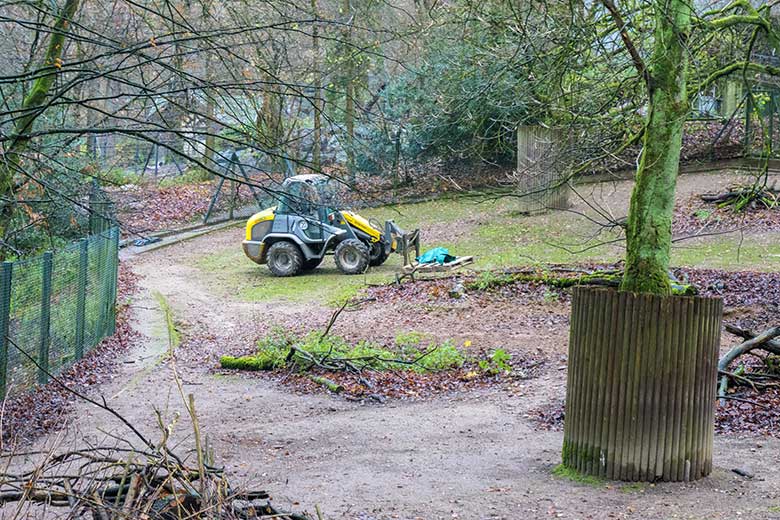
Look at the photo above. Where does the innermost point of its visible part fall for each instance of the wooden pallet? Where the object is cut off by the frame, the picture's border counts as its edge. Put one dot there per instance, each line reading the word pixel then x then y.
pixel 412 269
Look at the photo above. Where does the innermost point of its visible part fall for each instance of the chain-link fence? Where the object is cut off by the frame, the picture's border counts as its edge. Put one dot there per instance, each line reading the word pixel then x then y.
pixel 56 307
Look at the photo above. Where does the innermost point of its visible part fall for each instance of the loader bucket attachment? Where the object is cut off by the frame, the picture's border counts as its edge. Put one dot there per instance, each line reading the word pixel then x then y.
pixel 406 243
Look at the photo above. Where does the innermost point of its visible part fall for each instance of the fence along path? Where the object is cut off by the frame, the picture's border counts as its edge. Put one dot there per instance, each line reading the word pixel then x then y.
pixel 56 307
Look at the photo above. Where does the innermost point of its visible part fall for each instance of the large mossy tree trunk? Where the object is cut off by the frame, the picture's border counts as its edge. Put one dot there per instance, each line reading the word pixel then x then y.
pixel 32 107
pixel 640 396
pixel 649 227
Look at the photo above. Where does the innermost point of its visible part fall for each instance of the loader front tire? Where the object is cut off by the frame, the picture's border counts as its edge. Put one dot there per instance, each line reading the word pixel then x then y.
pixel 351 256
pixel 284 259
pixel 378 254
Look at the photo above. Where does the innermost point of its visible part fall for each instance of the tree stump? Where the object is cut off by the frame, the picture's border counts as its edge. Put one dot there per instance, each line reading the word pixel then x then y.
pixel 640 397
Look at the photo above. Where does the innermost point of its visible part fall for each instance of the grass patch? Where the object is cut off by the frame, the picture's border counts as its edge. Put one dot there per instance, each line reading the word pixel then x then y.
pixel 442 210
pixel 325 285
pixel 498 238
pixel 730 252
pixel 174 337
pixel 563 472
pixel 191 176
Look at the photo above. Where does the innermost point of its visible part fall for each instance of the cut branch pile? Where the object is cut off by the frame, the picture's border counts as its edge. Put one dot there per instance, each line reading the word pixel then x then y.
pixel 742 197
pixel 113 483
pixel 305 361
pixel 757 380
pixel 122 482
pixel 562 277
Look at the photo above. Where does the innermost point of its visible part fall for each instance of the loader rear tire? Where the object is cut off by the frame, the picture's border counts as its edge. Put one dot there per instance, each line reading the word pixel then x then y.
pixel 284 259
pixel 351 256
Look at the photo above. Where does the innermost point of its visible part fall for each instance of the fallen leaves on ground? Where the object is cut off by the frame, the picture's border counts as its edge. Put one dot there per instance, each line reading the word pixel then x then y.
pixel 549 416
pixel 756 412
pixel 148 208
pixel 694 217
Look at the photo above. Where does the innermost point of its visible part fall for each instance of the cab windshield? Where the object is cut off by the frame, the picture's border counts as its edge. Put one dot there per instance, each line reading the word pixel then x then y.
pixel 310 196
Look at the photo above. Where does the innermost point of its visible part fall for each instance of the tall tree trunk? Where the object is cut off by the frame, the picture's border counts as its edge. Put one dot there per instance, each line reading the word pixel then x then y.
pixel 349 107
pixel 317 148
pixel 211 108
pixel 649 229
pixel 271 115
pixel 32 107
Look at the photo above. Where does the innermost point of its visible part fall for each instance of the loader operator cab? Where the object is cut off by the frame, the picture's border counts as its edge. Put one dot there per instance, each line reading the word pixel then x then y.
pixel 308 223
pixel 301 195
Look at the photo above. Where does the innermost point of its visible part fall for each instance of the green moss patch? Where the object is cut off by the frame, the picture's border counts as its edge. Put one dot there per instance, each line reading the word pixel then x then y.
pixel 564 472
pixel 281 348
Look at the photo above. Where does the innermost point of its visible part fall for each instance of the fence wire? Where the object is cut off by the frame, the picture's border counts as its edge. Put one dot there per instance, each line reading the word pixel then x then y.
pixel 56 307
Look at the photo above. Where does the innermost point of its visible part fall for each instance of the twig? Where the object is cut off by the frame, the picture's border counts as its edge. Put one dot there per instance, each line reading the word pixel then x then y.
pixel 333 319
pixel 743 400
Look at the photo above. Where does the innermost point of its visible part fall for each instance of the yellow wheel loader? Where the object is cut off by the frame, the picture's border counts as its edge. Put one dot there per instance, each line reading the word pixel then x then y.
pixel 307 224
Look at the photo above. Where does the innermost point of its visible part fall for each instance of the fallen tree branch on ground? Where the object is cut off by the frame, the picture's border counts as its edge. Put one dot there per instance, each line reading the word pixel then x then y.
pixel 113 483
pixel 567 278
pixel 740 197
pixel 122 482
pixel 764 341
pixel 305 361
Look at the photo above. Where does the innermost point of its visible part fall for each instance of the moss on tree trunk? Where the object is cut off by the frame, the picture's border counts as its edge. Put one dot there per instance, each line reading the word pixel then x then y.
pixel 649 228
pixel 33 105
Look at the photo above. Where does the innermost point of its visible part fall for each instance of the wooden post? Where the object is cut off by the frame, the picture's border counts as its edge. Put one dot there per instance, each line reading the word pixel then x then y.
pixel 640 398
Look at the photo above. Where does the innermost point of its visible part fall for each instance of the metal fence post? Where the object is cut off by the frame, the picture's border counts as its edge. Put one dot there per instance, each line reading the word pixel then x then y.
pixel 114 278
pixel 6 270
pixel 106 283
pixel 43 348
pixel 106 273
pixel 81 302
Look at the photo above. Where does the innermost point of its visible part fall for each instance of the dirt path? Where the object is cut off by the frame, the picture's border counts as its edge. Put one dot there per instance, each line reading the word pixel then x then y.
pixel 474 455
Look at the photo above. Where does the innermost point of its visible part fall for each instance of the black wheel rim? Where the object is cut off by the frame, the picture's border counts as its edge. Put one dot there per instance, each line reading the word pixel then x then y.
pixel 350 258
pixel 283 260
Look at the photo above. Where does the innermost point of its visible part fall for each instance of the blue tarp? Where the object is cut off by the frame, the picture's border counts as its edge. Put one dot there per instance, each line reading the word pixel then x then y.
pixel 439 255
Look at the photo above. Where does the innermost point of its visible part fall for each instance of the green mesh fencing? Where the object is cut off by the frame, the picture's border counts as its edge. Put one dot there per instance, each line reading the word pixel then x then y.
pixel 56 307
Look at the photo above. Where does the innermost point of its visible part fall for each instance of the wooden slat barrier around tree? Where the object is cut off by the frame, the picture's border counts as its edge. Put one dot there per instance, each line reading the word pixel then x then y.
pixel 641 385
pixel 539 168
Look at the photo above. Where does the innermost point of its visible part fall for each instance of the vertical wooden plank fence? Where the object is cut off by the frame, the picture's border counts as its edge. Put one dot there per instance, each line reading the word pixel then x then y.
pixel 539 170
pixel 641 385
